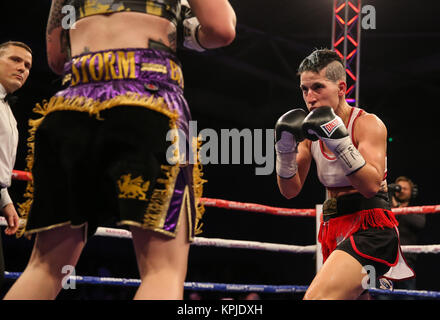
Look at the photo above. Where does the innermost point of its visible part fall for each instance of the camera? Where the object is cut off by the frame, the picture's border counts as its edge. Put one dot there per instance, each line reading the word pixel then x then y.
pixel 394 187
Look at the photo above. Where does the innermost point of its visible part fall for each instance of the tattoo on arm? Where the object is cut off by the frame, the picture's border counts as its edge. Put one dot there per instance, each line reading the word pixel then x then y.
pixel 65 43
pixel 55 15
pixel 172 38
pixel 54 23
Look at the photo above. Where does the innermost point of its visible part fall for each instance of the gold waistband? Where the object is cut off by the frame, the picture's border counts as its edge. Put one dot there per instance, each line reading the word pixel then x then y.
pixel 118 65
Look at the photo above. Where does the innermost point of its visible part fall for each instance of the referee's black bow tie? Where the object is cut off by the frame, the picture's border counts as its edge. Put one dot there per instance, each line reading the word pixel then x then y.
pixel 11 99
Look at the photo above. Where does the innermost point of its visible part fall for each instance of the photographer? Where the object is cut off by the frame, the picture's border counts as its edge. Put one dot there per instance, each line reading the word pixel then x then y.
pixel 402 193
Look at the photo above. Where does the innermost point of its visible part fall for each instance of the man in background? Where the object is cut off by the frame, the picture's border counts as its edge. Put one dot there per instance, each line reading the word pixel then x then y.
pixel 15 65
pixel 410 225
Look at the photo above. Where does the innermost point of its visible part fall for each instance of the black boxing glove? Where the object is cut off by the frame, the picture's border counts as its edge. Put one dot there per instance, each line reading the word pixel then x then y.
pixel 288 134
pixel 189 27
pixel 322 123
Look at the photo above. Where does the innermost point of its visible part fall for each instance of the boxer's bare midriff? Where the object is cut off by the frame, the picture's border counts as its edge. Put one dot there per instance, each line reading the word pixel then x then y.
pixel 120 30
pixel 339 191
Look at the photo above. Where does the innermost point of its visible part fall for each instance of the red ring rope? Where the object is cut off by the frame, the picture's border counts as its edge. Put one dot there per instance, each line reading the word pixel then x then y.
pixel 253 207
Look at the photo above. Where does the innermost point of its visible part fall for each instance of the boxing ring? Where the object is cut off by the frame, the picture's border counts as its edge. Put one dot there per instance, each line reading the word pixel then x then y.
pixel 253 245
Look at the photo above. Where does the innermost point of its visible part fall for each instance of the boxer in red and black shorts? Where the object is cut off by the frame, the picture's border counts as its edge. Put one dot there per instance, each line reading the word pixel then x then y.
pixel 358 233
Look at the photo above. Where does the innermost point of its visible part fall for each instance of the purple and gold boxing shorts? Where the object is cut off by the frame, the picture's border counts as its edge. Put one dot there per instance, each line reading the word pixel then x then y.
pixel 98 154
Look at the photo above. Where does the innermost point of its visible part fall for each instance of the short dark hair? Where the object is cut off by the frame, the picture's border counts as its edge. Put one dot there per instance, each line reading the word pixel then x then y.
pixel 7 44
pixel 321 58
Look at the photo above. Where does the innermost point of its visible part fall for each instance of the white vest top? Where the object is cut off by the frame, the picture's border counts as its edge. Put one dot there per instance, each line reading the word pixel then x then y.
pixel 329 171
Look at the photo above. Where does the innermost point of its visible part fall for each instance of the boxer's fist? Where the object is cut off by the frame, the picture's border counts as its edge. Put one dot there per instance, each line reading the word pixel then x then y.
pixel 190 27
pixel 288 134
pixel 288 130
pixel 322 123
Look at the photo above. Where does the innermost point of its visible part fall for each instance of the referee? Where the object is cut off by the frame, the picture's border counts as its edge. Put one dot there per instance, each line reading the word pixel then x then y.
pixel 15 65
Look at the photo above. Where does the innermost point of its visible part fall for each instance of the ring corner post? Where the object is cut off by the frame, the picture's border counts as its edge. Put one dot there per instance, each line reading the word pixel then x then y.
pixel 318 245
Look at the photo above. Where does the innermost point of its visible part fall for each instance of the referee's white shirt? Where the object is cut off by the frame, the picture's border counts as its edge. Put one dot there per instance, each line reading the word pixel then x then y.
pixel 8 147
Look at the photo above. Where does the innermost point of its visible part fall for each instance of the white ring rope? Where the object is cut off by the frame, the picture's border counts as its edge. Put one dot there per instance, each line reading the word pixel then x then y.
pixel 430 248
pixel 255 245
pixel 240 244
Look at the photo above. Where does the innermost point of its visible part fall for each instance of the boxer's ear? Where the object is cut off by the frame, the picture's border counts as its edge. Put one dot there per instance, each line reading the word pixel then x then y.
pixel 342 88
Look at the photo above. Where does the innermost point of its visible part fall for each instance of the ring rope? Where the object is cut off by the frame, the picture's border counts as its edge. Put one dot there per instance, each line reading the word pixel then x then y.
pixel 411 293
pixel 430 248
pixel 255 245
pixel 250 207
pixel 417 209
pixel 21 175
pixel 242 244
pixel 253 207
pixel 227 287
pixel 211 242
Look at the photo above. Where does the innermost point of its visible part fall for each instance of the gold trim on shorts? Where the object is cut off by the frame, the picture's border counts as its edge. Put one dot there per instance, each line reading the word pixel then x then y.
pixel 185 202
pixel 198 182
pixel 28 233
pixel 92 107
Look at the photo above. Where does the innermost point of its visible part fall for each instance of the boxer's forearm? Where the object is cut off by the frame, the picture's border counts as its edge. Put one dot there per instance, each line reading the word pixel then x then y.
pixel 56 38
pixel 217 22
pixel 211 38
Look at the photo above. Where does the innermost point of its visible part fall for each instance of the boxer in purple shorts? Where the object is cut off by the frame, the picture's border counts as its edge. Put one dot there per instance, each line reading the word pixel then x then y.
pixel 142 88
pixel 98 154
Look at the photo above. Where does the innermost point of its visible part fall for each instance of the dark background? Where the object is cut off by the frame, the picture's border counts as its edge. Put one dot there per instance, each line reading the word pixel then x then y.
pixel 249 85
